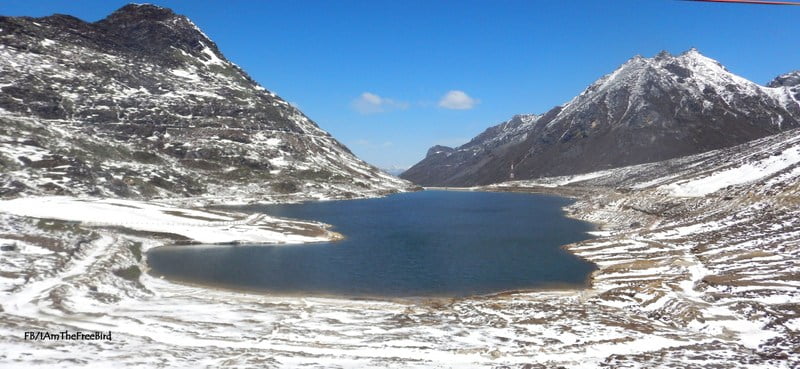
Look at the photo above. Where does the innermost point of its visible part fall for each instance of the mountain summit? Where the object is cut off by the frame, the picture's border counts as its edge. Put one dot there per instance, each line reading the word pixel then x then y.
pixel 649 109
pixel 152 30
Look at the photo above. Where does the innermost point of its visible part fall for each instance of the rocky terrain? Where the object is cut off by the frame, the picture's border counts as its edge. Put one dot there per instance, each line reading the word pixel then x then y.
pixel 142 104
pixel 649 109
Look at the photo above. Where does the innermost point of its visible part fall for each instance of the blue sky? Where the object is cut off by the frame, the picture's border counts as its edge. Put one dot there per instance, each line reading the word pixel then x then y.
pixel 391 78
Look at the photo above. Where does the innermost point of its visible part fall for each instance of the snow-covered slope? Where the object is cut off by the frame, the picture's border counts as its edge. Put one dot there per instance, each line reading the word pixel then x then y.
pixel 649 109
pixel 143 104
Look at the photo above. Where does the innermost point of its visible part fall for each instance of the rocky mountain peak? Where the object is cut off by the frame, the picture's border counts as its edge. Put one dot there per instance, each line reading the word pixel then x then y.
pixel 663 54
pixel 791 79
pixel 133 13
pixel 641 79
pixel 790 83
pixel 692 51
pixel 691 57
pixel 155 31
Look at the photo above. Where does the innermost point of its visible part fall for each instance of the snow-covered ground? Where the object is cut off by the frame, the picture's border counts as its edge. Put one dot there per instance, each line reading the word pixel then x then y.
pixel 634 316
pixel 744 173
pixel 197 225
pixel 683 282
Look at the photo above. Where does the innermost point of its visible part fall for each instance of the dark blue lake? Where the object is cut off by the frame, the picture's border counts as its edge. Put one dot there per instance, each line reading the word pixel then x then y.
pixel 429 243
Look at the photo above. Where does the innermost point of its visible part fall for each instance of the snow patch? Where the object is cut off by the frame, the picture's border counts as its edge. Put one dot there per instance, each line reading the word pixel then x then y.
pixel 186 74
pixel 743 174
pixel 197 225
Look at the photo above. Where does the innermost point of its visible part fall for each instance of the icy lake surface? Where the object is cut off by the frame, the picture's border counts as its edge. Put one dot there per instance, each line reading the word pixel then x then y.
pixel 430 243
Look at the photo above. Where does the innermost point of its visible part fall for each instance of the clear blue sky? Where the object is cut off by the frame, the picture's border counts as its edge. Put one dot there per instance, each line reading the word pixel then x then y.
pixel 508 57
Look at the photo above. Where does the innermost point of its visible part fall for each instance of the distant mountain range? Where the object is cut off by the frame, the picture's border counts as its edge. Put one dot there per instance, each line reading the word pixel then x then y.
pixel 394 170
pixel 649 109
pixel 143 104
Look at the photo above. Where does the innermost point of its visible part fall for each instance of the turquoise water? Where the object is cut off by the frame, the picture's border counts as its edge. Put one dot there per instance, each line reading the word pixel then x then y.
pixel 429 243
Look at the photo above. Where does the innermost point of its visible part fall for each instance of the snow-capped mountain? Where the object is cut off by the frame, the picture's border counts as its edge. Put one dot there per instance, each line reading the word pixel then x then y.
pixel 143 104
pixel 647 110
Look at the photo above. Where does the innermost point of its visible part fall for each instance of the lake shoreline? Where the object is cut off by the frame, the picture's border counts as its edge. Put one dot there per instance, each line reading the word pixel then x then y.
pixel 548 201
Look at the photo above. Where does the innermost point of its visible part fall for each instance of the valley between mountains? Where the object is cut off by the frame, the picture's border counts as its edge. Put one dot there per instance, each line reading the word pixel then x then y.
pixel 117 135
